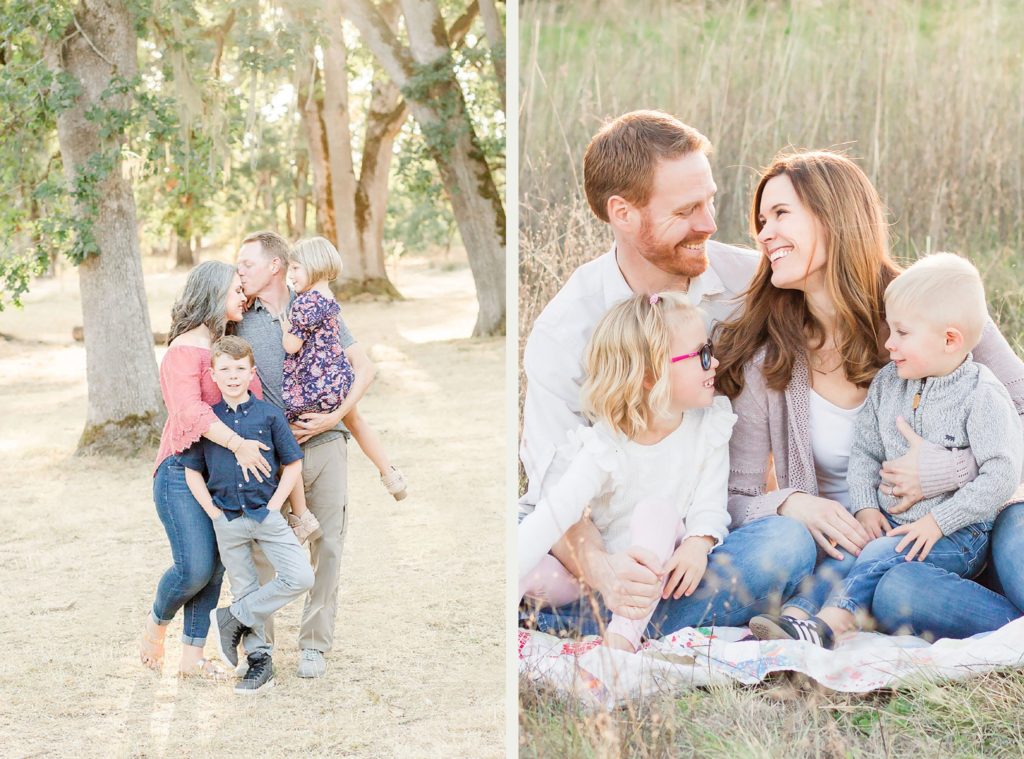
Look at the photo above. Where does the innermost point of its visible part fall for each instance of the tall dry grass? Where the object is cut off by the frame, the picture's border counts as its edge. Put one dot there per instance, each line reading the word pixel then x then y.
pixel 928 96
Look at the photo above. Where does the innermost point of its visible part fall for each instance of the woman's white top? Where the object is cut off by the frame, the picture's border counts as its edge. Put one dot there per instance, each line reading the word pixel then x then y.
pixel 831 443
pixel 600 468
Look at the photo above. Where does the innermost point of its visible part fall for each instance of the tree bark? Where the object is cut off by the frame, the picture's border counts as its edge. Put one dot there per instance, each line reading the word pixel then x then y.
pixel 338 134
pixel 496 39
pixel 437 103
pixel 125 410
pixel 310 106
pixel 183 256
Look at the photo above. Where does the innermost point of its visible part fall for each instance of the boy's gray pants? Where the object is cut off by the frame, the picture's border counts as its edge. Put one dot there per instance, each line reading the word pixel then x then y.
pixel 293 573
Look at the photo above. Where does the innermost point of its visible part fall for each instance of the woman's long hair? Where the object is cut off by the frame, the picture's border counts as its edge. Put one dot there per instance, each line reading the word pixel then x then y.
pixel 857 270
pixel 627 361
pixel 204 300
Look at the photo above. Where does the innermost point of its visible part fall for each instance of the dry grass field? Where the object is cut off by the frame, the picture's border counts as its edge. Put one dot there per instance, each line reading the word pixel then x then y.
pixel 418 667
pixel 927 96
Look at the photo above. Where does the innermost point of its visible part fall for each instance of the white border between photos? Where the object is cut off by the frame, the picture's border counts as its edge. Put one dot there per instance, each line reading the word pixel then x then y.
pixel 511 369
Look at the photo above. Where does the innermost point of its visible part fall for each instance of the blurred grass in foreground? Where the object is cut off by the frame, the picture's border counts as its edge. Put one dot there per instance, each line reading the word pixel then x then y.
pixel 929 98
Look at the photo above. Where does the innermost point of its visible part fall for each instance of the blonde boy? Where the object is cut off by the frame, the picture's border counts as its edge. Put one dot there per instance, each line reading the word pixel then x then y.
pixel 936 312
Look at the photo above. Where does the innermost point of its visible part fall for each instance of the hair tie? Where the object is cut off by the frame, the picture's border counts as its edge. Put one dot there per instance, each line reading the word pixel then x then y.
pixel 654 299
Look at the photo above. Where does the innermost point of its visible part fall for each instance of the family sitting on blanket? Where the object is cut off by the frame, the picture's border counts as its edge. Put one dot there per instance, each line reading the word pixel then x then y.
pixel 800 329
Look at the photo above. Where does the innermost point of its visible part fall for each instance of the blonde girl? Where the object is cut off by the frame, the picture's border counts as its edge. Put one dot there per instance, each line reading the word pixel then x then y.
pixel 317 375
pixel 654 467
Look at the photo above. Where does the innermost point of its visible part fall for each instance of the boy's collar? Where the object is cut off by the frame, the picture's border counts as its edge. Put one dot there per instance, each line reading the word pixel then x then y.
pixel 241 407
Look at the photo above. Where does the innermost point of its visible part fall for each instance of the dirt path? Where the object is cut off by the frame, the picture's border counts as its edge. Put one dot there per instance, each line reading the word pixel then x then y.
pixel 418 667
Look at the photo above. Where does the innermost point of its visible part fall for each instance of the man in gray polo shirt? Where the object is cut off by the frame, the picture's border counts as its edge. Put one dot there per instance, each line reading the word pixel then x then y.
pixel 262 265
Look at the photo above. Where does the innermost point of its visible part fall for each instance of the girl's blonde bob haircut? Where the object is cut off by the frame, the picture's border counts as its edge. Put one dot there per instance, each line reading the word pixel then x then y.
pixel 627 361
pixel 318 257
pixel 943 289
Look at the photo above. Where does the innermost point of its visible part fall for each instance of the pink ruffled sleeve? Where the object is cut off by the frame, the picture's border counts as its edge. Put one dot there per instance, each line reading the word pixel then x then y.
pixel 188 416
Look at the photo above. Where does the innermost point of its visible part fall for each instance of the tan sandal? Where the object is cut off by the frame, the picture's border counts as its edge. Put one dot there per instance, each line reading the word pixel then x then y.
pixel 153 650
pixel 306 527
pixel 394 482
pixel 205 670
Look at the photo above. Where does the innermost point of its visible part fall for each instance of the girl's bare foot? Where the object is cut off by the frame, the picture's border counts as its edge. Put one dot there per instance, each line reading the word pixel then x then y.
pixel 192 658
pixel 151 649
pixel 619 643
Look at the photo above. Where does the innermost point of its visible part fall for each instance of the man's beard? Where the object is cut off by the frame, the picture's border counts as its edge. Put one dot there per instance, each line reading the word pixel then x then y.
pixel 672 258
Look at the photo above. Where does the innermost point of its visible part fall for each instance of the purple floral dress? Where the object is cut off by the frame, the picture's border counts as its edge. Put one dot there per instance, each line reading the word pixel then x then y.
pixel 319 376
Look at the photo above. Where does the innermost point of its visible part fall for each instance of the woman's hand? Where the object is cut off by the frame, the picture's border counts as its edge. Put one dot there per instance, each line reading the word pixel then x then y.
pixel 901 478
pixel 874 522
pixel 828 522
pixel 688 564
pixel 251 460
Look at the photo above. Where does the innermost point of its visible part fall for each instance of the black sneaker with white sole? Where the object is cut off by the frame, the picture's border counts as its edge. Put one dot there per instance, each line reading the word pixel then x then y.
pixel 260 675
pixel 772 627
pixel 227 632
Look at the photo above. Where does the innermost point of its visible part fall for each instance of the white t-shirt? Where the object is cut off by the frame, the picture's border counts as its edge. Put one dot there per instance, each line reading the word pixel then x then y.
pixel 598 467
pixel 831 443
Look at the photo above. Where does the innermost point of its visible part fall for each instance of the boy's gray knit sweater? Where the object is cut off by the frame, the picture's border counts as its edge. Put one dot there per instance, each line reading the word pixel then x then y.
pixel 967 408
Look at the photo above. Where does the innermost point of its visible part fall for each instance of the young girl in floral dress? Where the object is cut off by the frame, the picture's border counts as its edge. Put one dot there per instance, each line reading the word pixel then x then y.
pixel 317 374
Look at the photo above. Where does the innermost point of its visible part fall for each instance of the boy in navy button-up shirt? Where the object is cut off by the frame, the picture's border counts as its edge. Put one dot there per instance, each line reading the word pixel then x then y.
pixel 248 513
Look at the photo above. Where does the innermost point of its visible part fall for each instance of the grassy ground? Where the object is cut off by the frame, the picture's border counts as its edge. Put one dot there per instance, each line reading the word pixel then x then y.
pixel 418 667
pixel 927 96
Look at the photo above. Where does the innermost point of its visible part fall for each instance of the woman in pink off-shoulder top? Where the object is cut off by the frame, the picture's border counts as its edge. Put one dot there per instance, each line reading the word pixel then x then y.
pixel 212 299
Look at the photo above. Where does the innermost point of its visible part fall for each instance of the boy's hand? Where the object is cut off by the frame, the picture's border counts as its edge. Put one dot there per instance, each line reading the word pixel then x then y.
pixel 687 566
pixel 924 533
pixel 874 522
pixel 213 513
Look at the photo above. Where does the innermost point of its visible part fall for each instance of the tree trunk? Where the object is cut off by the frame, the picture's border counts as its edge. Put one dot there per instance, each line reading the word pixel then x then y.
pixel 426 76
pixel 338 133
pixel 125 411
pixel 310 106
pixel 301 194
pixel 496 39
pixel 183 256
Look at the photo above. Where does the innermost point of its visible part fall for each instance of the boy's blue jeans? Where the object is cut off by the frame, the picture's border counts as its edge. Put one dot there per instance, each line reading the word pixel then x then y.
pixel 963 553
pixel 928 600
pixel 756 566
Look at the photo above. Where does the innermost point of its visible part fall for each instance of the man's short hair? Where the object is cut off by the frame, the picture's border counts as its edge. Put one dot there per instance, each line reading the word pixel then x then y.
pixel 234 346
pixel 271 243
pixel 946 290
pixel 622 157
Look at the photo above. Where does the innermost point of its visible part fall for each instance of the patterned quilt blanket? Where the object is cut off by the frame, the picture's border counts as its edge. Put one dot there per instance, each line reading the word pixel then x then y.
pixel 600 677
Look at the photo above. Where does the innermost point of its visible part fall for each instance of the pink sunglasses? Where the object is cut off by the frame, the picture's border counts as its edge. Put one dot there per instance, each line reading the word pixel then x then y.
pixel 706 353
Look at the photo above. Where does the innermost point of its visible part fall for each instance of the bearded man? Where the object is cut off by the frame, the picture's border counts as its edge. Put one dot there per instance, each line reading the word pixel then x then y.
pixel 648 176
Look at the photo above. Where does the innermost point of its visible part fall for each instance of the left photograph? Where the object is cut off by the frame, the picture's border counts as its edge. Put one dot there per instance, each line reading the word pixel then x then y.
pixel 252 377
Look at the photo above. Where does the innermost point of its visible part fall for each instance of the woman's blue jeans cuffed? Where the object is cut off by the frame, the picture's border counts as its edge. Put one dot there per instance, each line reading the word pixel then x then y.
pixel 927 600
pixel 755 567
pixel 194 580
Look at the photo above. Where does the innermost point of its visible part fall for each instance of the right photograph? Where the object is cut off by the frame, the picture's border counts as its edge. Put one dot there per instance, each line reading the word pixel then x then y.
pixel 771 320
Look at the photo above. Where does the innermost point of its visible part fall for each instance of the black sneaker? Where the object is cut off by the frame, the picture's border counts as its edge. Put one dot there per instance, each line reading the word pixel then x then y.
pixel 771 627
pixel 228 631
pixel 260 675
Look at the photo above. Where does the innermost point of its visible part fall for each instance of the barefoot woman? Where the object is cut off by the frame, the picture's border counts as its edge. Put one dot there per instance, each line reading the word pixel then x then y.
pixel 213 297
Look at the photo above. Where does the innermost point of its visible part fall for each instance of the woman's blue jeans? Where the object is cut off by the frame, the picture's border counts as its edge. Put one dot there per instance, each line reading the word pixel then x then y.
pixel 754 568
pixel 194 580
pixel 927 600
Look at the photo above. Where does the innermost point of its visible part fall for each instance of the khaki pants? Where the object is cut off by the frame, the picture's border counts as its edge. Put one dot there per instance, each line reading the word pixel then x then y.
pixel 325 481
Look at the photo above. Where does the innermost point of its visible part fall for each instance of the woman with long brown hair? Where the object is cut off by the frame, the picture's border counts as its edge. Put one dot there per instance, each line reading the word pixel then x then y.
pixel 798 361
pixel 212 300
